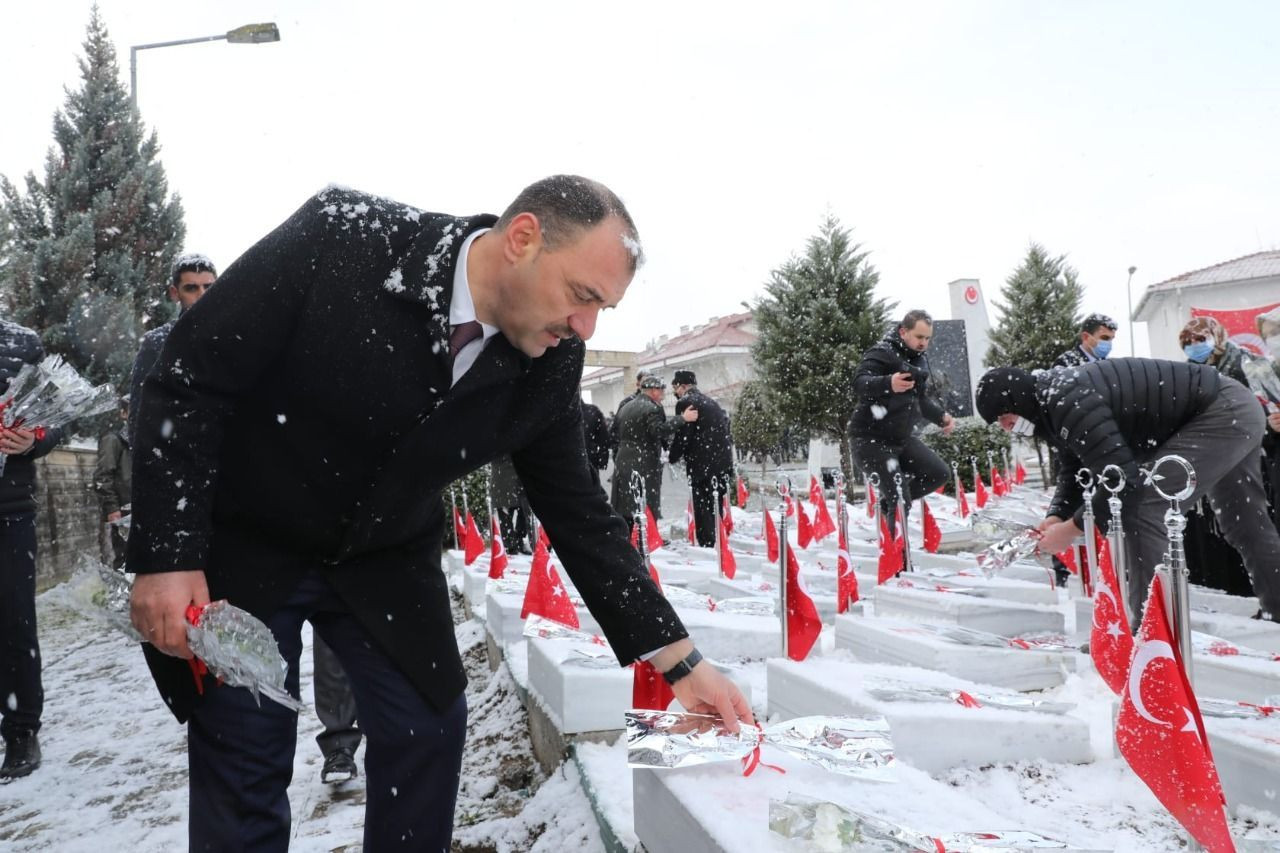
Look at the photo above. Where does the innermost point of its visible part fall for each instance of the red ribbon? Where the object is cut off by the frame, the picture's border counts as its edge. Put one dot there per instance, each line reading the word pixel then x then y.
pixel 1265 710
pixel 967 700
pixel 752 761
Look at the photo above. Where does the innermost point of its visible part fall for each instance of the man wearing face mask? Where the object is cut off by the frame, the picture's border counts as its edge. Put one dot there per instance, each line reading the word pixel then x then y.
pixel 1097 331
pixel 1128 413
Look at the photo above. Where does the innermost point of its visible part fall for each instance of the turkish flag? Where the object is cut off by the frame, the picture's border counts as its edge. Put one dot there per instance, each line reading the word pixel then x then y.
pixel 497 553
pixel 1068 558
pixel 891 551
pixel 871 501
pixel 726 513
pixel 932 533
pixel 847 581
pixel 770 538
pixel 546 596
pixel 1019 473
pixel 459 529
pixel 980 490
pixel 652 538
pixel 475 542
pixel 649 689
pixel 962 499
pixel 743 494
pixel 823 526
pixel 1110 643
pixel 791 507
pixel 689 521
pixel 804 530
pixel 1161 735
pixel 727 563
pixel 542 538
pixel 653 573
pixel 541 556
pixel 997 483
pixel 815 491
pixel 803 622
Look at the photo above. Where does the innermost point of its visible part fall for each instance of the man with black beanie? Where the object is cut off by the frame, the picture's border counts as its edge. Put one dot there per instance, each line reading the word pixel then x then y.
pixel 1129 413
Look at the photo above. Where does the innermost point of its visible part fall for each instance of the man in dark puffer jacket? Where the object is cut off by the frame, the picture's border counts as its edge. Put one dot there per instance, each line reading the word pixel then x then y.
pixel 1129 413
pixel 20 687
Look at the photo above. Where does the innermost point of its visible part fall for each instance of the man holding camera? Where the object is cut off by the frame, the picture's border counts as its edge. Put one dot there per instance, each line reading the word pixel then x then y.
pixel 891 389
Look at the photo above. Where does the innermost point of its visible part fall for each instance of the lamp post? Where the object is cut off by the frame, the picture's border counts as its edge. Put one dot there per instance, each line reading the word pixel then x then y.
pixel 1128 293
pixel 248 34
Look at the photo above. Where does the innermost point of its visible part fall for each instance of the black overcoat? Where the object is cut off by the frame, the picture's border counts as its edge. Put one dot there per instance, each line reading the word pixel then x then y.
pixel 705 445
pixel 301 419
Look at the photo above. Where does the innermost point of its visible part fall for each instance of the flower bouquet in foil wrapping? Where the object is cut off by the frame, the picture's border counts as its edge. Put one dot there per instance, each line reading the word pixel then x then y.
pixel 853 746
pixel 1003 554
pixel 48 395
pixel 828 826
pixel 231 643
pixel 892 690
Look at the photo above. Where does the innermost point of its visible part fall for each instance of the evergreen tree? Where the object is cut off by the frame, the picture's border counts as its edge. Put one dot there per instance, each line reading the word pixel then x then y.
pixel 820 314
pixel 86 250
pixel 1040 315
pixel 757 425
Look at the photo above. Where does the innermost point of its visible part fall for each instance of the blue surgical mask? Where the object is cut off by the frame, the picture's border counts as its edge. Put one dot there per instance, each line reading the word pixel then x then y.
pixel 1199 352
pixel 1102 350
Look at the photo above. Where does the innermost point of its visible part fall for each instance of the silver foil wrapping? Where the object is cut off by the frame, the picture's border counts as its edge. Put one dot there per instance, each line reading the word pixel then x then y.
pixel 908 583
pixel 1003 522
pixel 541 628
pixel 1210 707
pixel 901 691
pixel 1210 645
pixel 1003 554
pixel 111 596
pixel 241 651
pixel 829 827
pixel 746 606
pixel 852 746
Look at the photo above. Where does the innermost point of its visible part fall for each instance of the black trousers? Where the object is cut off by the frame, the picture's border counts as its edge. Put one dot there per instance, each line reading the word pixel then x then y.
pixel 705 493
pixel 335 703
pixel 21 692
pixel 241 755
pixel 513 521
pixel 922 470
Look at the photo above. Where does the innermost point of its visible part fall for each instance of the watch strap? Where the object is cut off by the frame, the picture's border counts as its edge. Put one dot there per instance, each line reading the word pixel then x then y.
pixel 683 668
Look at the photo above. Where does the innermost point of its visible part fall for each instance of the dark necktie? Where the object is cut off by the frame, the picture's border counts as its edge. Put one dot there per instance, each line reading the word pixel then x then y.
pixel 463 334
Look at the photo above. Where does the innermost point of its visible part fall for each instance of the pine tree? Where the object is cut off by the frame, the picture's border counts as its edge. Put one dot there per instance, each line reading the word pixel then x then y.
pixel 818 318
pixel 86 250
pixel 1040 316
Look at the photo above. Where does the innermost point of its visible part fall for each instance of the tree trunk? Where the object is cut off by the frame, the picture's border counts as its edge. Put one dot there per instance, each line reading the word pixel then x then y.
pixel 846 465
pixel 764 467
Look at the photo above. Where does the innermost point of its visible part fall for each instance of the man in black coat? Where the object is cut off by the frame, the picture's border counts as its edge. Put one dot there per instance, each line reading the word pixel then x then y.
pixel 595 433
pixel 891 385
pixel 292 446
pixel 19 643
pixel 643 433
pixel 1097 333
pixel 703 440
pixel 1129 413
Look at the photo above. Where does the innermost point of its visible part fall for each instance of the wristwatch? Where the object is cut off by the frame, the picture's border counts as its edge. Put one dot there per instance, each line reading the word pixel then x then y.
pixel 683 668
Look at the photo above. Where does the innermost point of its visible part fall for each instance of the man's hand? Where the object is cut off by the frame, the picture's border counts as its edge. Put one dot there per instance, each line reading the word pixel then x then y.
pixel 1057 537
pixel 114 516
pixel 948 424
pixel 690 415
pixel 1273 421
pixel 16 441
pixel 901 382
pixel 705 690
pixel 1049 521
pixel 158 608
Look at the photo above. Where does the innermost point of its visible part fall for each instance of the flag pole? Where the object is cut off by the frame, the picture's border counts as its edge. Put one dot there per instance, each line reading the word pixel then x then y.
pixel 1115 538
pixel 716 498
pixel 902 523
pixel 1089 570
pixel 784 492
pixel 955 472
pixel 873 479
pixel 453 503
pixel 1176 557
pixel 641 496
pixel 973 460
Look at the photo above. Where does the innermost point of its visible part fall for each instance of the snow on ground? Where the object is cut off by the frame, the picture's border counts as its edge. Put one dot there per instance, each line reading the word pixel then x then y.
pixel 114 775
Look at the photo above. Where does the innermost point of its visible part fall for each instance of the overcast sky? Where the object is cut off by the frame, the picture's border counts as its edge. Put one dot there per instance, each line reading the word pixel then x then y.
pixel 947 135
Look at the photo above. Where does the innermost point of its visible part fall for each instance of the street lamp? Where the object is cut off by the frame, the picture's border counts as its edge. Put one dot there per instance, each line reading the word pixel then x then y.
pixel 1128 292
pixel 248 34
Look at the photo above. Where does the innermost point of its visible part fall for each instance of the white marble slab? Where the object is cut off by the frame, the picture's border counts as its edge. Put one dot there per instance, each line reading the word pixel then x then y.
pixel 981 613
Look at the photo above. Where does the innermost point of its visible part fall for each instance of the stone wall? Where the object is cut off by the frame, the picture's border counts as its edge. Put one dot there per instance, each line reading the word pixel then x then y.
pixel 67 520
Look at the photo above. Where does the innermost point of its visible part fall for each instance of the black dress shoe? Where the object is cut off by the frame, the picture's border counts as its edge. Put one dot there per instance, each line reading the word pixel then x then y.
pixel 21 757
pixel 339 766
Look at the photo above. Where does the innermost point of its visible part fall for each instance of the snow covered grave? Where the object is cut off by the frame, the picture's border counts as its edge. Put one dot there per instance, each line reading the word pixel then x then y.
pixel 1217 601
pixel 928 600
pixel 1247 753
pixel 1232 671
pixel 883 640
pixel 1255 633
pixel 503 625
pixel 931 731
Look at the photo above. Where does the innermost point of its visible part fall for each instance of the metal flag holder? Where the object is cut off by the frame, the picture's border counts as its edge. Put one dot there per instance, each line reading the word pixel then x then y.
pixel 955 472
pixel 453 503
pixel 641 497
pixel 873 480
pixel 1089 568
pixel 842 529
pixel 716 498
pixel 991 466
pixel 488 497
pixel 466 510
pixel 902 522
pixel 1115 535
pixel 784 492
pixel 1175 565
pixel 973 460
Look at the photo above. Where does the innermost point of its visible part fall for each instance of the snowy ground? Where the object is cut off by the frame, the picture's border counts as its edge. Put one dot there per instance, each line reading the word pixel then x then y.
pixel 114 775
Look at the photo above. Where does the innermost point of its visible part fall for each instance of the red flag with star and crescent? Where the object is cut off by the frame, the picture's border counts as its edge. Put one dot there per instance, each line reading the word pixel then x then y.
pixel 691 524
pixel 998 484
pixel 803 622
pixel 815 491
pixel 547 596
pixel 962 499
pixel 459 529
pixel 823 526
pixel 804 530
pixel 743 494
pixel 726 513
pixel 846 580
pixel 727 562
pixel 871 501
pixel 652 538
pixel 1161 735
pixel 541 556
pixel 770 538
pixel 648 688
pixel 1019 473
pixel 932 532
pixel 475 542
pixel 1110 643
pixel 980 491
pixel 891 552
pixel 497 552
